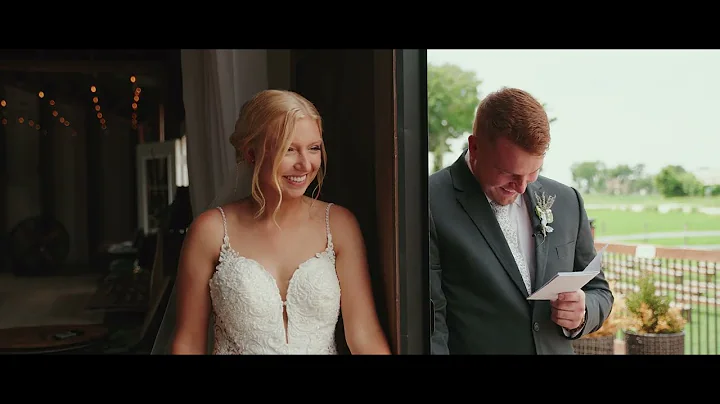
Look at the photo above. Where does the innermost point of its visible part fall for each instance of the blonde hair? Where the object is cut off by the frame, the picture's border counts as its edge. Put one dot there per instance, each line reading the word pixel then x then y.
pixel 266 123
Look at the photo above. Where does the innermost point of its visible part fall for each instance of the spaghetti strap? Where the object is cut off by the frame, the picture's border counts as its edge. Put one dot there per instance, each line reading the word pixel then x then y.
pixel 226 239
pixel 327 227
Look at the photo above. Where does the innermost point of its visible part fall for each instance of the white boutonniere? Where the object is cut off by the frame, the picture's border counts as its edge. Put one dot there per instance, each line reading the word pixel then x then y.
pixel 544 212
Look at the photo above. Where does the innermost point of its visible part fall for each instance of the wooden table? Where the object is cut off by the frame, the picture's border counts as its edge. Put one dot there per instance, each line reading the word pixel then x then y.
pixel 51 339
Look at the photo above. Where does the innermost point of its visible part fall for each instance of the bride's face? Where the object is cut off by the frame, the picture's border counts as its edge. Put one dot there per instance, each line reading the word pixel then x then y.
pixel 300 163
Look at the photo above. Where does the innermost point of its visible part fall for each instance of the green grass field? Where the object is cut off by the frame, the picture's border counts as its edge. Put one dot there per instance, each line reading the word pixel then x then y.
pixel 701 333
pixel 610 222
pixel 650 200
pixel 676 242
pixel 616 222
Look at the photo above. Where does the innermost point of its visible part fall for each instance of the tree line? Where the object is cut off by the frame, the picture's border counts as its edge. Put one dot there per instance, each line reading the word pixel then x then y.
pixel 623 179
pixel 453 96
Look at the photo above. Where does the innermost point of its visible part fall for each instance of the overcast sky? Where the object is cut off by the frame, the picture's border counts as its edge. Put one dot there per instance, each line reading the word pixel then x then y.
pixel 654 107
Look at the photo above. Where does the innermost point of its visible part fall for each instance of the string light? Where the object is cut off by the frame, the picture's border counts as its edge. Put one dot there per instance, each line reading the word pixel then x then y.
pixel 65 122
pixel 136 99
pixel 31 122
pixel 3 104
pixel 97 108
pixel 21 120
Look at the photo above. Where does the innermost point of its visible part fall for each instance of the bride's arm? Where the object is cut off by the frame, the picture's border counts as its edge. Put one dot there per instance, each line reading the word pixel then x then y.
pixel 362 327
pixel 197 264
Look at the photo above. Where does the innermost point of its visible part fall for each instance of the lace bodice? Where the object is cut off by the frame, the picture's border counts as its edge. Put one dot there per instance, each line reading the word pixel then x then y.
pixel 248 307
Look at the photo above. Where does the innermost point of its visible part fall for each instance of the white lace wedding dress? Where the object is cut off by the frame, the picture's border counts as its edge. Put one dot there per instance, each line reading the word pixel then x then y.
pixel 248 307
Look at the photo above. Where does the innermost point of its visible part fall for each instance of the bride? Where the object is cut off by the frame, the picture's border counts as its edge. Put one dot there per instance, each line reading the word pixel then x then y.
pixel 273 266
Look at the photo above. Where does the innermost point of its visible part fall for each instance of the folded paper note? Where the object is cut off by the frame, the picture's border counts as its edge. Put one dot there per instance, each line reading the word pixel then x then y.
pixel 569 281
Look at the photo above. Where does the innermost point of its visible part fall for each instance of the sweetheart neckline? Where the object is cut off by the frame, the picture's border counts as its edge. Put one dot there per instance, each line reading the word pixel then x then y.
pixel 262 268
pixel 318 255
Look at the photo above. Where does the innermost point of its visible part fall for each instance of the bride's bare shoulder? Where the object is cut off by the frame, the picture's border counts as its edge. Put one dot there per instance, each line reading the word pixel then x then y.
pixel 207 226
pixel 319 209
pixel 344 225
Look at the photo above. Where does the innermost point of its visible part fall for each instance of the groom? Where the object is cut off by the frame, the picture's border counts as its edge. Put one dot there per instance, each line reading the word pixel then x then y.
pixel 498 232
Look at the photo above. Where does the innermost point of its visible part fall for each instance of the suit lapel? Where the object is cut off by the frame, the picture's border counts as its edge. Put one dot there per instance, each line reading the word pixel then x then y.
pixel 471 197
pixel 541 245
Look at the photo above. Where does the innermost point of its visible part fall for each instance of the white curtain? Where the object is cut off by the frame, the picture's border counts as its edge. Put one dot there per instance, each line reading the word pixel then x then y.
pixel 216 82
pixel 215 85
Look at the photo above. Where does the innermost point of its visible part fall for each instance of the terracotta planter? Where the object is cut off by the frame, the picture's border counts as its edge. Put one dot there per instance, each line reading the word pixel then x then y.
pixel 595 345
pixel 655 344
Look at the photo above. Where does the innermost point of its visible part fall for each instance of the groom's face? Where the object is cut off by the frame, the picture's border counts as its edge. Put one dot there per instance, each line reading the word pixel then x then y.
pixel 503 169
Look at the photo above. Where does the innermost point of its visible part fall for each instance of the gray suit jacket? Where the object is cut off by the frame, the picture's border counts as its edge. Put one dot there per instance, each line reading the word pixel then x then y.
pixel 478 296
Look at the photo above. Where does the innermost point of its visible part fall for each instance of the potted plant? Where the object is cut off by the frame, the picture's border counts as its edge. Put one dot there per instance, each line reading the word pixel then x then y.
pixel 652 326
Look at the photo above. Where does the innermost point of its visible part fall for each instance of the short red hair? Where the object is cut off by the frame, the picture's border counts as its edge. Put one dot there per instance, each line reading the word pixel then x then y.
pixel 516 115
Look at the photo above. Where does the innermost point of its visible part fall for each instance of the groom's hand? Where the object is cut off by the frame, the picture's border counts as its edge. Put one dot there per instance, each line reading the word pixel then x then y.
pixel 568 310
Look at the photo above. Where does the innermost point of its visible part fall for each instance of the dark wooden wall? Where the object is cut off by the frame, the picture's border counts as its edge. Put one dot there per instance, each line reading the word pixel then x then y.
pixel 354 97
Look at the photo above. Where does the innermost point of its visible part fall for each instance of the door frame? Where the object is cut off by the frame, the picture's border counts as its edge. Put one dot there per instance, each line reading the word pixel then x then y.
pixel 414 320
